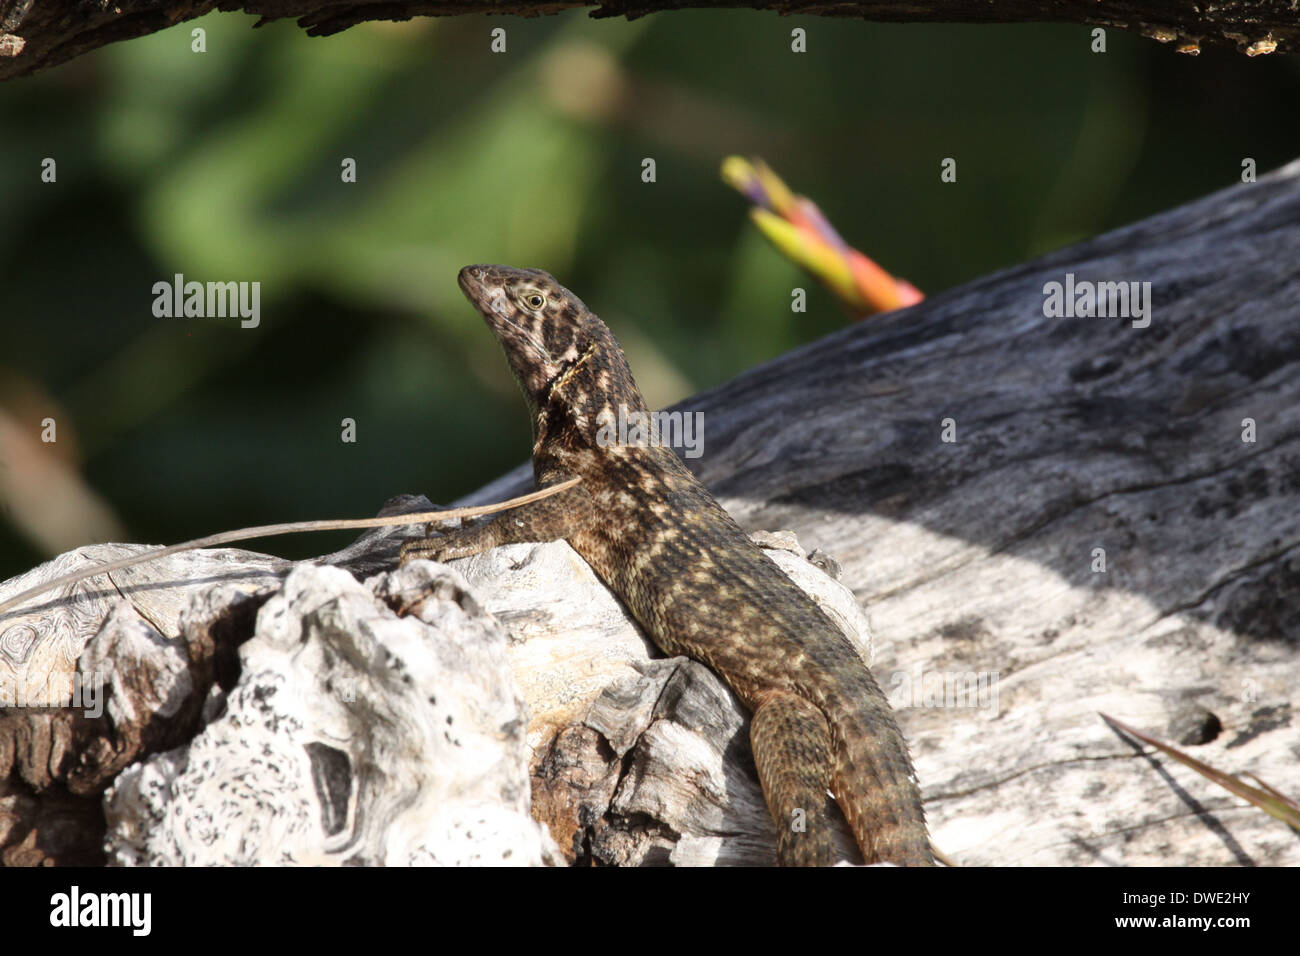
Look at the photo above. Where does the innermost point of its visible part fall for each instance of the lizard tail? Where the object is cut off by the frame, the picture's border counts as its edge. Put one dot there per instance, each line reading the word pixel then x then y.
pixel 791 740
pixel 874 784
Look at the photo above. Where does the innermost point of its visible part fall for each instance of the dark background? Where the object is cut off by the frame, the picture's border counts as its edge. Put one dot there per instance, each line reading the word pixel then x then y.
pixel 225 166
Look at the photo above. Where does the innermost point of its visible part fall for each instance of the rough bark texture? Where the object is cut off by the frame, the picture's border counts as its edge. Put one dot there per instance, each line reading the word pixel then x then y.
pixel 370 725
pixel 1000 633
pixel 37 34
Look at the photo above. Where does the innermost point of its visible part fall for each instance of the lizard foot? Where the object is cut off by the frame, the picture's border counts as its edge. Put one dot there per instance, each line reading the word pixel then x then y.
pixel 454 544
pixel 431 548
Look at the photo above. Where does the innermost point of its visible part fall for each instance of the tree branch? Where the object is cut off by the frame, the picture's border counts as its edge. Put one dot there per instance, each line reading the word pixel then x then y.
pixel 38 34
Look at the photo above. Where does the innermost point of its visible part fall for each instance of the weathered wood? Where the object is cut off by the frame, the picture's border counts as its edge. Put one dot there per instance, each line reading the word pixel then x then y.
pixel 375 723
pixel 38 34
pixel 354 735
pixel 975 557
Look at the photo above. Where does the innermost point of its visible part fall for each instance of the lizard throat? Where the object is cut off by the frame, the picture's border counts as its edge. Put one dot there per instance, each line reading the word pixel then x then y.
pixel 563 378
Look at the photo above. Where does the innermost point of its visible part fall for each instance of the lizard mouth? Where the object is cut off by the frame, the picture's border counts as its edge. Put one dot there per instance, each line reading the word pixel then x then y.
pixel 470 274
pixel 471 283
pixel 486 291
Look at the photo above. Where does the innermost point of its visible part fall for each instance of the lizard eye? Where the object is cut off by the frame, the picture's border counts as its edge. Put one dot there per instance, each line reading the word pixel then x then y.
pixel 535 301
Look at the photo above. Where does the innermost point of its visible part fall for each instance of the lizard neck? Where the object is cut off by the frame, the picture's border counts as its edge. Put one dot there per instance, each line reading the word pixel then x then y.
pixel 579 420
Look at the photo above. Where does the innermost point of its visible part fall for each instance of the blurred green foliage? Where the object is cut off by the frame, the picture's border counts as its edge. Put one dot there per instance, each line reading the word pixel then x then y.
pixel 225 165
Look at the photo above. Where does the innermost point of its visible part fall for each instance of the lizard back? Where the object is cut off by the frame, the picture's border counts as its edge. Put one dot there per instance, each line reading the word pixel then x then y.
pixel 700 587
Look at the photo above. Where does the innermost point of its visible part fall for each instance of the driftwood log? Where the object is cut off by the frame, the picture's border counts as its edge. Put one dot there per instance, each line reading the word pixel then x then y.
pixel 1045 517
pixel 38 34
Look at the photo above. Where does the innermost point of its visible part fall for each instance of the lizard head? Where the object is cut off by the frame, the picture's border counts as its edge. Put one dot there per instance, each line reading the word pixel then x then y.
pixel 559 351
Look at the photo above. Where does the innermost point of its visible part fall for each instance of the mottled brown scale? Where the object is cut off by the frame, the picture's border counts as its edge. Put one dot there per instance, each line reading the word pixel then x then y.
pixel 694 580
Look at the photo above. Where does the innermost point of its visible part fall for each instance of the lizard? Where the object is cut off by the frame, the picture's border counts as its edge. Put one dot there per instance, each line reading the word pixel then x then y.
pixel 693 579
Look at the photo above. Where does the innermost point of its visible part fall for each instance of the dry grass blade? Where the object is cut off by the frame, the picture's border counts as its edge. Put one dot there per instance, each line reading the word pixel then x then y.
pixel 1265 797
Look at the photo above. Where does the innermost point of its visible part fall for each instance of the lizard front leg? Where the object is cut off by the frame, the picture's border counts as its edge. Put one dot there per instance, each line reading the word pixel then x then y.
pixel 550 519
